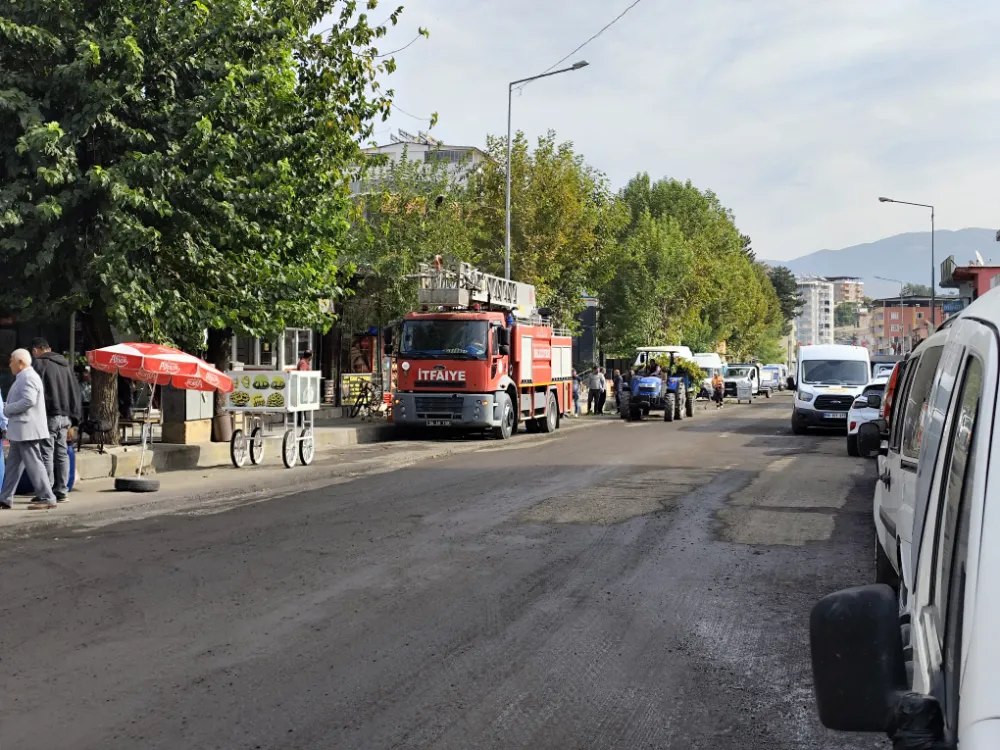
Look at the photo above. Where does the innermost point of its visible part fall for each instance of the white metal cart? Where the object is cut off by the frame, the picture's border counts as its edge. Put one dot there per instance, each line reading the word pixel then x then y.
pixel 260 396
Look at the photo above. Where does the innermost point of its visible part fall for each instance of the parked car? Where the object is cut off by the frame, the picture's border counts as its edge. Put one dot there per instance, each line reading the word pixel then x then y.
pixel 782 375
pixel 830 377
pixel 866 408
pixel 771 377
pixel 743 379
pixel 930 677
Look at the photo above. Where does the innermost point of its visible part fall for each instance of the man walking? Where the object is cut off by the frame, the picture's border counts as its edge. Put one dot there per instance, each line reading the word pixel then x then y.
pixel 604 391
pixel 27 429
pixel 576 394
pixel 63 408
pixel 619 384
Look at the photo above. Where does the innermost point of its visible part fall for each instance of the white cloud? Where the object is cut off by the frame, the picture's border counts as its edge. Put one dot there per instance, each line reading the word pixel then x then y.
pixel 798 114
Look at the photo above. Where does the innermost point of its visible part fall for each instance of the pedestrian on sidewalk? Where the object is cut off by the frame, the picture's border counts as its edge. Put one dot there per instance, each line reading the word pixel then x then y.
pixel 619 383
pixel 3 434
pixel 27 429
pixel 593 390
pixel 604 391
pixel 306 362
pixel 576 393
pixel 63 409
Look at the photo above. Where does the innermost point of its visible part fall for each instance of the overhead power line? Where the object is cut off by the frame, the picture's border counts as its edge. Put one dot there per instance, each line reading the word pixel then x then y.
pixel 611 23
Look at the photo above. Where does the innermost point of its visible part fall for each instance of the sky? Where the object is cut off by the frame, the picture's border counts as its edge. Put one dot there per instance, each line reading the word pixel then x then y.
pixel 798 115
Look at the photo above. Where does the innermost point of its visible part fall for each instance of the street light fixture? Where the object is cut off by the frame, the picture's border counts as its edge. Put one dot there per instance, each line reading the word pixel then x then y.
pixel 902 324
pixel 510 95
pixel 883 199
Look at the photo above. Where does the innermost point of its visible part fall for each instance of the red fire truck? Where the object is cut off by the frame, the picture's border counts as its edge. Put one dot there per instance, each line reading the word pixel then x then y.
pixel 479 356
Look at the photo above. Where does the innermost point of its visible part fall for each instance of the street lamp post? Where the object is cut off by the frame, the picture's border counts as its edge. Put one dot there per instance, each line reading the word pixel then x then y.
pixel 883 199
pixel 902 319
pixel 510 97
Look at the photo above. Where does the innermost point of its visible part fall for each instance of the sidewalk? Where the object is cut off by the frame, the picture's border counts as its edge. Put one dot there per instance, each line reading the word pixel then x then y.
pixel 220 487
pixel 123 461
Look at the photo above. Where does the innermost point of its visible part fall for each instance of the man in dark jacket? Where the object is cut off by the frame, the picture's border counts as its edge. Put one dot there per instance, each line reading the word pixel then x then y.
pixel 62 408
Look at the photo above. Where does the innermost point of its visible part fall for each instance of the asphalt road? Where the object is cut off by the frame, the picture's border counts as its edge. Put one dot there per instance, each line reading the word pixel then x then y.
pixel 626 586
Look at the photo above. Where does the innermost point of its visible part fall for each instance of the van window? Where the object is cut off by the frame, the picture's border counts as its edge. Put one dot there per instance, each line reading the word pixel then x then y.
pixel 916 402
pixel 835 371
pixel 950 552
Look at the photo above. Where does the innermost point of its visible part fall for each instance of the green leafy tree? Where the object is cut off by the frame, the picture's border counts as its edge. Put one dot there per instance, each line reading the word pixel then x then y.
pixel 563 220
pixel 845 314
pixel 169 168
pixel 787 289
pixel 407 213
pixel 916 290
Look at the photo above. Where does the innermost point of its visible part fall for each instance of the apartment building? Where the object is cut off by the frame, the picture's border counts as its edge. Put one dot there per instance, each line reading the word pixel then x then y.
pixel 896 326
pixel 814 324
pixel 459 161
pixel 847 289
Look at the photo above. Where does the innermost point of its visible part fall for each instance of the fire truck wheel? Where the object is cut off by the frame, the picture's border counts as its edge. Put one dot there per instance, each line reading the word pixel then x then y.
pixel 550 421
pixel 507 421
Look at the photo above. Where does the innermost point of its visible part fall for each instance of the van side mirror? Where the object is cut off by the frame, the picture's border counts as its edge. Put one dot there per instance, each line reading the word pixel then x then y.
pixel 874 401
pixel 870 440
pixel 859 670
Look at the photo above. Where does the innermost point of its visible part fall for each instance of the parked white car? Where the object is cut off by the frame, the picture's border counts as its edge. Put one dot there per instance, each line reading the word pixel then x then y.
pixel 933 674
pixel 864 409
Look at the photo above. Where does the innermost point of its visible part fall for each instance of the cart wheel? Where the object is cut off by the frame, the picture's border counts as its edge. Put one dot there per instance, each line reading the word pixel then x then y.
pixel 257 446
pixel 238 448
pixel 288 446
pixel 307 447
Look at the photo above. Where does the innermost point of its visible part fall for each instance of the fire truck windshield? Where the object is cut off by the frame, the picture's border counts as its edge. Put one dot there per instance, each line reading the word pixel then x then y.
pixel 444 339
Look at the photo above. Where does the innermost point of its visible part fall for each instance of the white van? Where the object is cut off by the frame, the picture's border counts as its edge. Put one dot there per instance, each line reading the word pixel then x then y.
pixel 711 363
pixel 936 679
pixel 829 378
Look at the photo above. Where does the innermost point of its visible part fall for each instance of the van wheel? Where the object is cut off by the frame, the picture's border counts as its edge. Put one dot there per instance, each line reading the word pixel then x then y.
pixel 852 446
pixel 884 572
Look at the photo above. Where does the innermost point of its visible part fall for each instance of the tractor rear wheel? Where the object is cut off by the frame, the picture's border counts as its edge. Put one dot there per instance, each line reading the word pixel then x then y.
pixel 689 404
pixel 670 407
pixel 679 400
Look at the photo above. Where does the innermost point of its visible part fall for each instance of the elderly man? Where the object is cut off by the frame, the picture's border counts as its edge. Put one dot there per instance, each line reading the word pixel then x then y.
pixel 27 429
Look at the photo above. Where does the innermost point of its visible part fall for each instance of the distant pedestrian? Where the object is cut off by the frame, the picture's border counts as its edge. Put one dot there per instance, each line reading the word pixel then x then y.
pixel 306 362
pixel 27 429
pixel 593 390
pixel 576 393
pixel 604 391
pixel 3 434
pixel 63 410
pixel 619 382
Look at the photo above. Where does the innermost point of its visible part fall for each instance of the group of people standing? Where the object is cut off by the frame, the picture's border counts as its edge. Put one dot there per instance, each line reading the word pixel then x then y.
pixel 43 405
pixel 596 383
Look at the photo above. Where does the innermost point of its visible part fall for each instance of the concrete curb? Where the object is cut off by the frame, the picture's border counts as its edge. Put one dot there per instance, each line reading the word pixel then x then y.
pixel 165 457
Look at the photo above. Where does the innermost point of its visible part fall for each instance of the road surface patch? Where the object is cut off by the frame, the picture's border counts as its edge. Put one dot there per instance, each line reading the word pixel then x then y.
pixel 619 498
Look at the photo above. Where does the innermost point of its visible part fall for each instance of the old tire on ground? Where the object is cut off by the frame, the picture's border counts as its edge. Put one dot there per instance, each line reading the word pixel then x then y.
pixel 689 404
pixel 307 447
pixel 852 446
pixel 669 408
pixel 507 422
pixel 884 572
pixel 256 446
pixel 679 399
pixel 289 449
pixel 136 484
pixel 238 451
pixel 550 421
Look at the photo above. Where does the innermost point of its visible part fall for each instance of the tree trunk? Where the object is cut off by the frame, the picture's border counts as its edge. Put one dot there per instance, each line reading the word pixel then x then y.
pixel 220 348
pixel 104 386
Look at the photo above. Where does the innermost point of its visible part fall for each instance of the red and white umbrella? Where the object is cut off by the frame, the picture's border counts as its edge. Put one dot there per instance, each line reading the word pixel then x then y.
pixel 160 365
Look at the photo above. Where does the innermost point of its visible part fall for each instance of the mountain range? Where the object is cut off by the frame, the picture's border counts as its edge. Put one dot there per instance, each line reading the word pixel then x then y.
pixel 906 257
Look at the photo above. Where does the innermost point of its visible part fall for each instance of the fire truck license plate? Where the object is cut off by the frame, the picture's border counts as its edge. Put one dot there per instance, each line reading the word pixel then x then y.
pixel 439 423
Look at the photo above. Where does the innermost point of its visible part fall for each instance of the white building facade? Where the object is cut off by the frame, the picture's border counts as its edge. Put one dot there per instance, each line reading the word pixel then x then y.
pixel 814 325
pixel 459 161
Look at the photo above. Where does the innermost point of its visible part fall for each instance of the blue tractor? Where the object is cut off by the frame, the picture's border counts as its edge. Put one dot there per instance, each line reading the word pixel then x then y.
pixel 656 389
